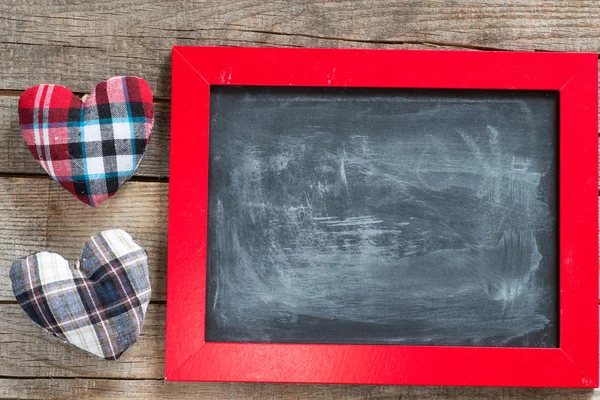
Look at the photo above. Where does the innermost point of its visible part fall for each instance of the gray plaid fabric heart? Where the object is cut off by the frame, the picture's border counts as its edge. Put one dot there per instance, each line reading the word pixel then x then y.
pixel 97 304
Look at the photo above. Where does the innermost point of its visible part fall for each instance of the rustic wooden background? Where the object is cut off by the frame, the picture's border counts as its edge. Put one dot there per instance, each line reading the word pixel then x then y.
pixel 77 43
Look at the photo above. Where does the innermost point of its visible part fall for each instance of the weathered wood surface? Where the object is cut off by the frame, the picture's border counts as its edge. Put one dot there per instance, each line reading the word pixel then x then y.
pixel 37 214
pixel 120 389
pixel 15 157
pixel 28 351
pixel 77 43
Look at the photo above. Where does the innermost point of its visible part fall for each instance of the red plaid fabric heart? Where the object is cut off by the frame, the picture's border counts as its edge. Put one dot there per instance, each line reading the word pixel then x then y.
pixel 90 147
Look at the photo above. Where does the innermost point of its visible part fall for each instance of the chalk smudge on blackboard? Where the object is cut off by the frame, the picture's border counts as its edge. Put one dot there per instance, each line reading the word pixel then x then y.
pixel 381 216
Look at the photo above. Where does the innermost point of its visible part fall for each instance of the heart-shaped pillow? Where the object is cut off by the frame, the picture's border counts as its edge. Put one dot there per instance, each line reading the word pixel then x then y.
pixel 97 304
pixel 90 147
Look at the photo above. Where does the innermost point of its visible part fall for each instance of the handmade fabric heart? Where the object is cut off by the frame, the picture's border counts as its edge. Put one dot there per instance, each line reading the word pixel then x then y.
pixel 90 147
pixel 98 304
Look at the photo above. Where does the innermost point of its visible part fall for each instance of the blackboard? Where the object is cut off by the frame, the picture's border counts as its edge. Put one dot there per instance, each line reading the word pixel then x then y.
pixel 383 216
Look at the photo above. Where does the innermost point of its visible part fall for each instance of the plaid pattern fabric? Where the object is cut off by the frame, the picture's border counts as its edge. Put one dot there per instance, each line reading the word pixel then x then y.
pixel 92 147
pixel 98 304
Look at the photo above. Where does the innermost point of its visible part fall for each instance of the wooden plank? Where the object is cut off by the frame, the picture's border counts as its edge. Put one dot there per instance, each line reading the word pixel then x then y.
pixel 28 351
pixel 15 157
pixel 153 389
pixel 79 43
pixel 37 214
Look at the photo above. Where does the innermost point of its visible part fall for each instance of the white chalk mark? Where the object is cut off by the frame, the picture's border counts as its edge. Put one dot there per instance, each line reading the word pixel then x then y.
pixel 343 173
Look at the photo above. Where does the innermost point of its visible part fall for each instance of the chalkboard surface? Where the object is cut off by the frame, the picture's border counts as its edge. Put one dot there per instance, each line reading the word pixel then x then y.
pixel 382 216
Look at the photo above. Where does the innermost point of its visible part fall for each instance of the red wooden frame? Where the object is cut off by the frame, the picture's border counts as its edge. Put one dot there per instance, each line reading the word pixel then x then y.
pixel 573 364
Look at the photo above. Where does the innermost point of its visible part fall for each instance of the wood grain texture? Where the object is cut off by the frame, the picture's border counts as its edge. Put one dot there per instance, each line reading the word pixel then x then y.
pixel 26 350
pixel 15 157
pixel 76 43
pixel 154 389
pixel 37 214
